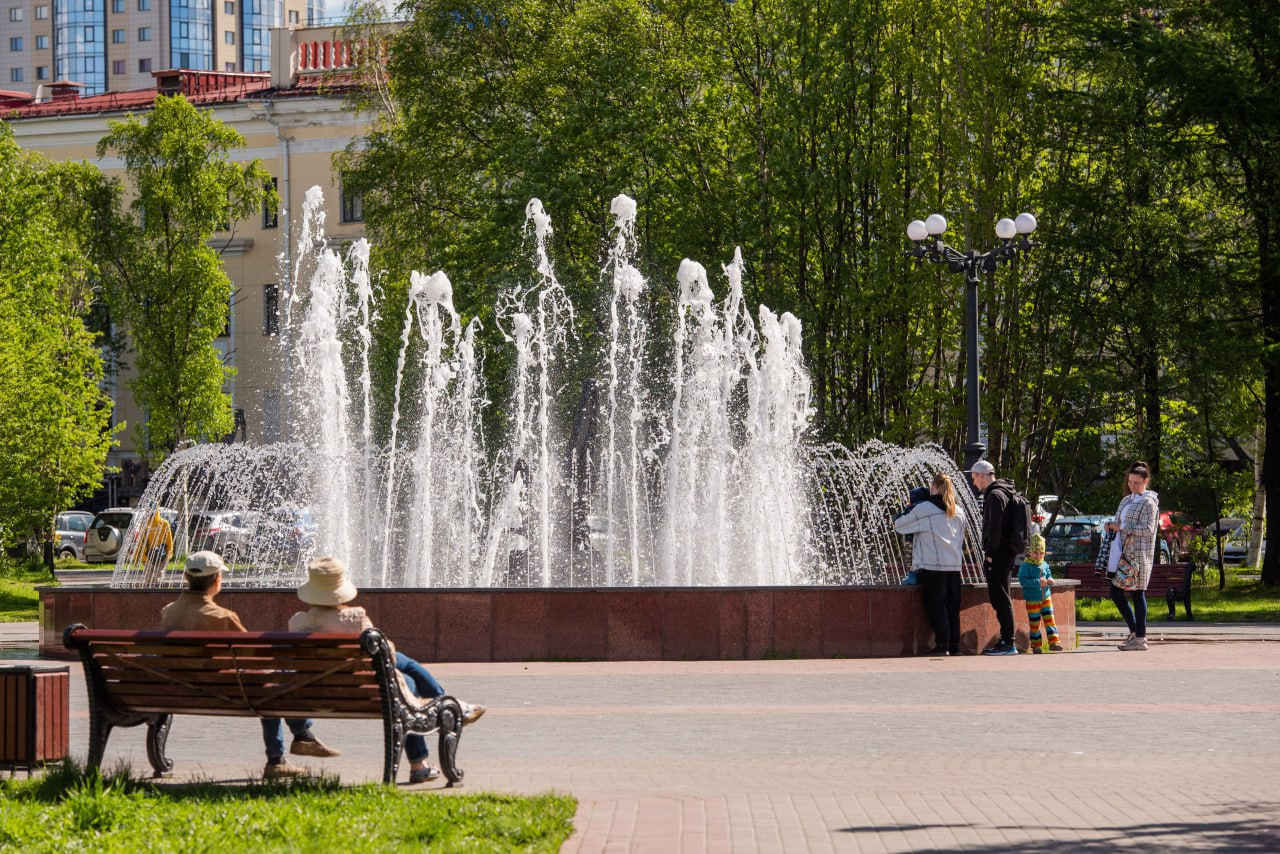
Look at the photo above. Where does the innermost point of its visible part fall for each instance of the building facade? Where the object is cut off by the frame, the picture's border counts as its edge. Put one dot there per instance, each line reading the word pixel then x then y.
pixel 294 126
pixel 116 45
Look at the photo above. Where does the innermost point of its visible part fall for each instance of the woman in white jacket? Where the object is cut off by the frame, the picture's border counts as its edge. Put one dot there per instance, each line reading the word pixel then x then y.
pixel 937 527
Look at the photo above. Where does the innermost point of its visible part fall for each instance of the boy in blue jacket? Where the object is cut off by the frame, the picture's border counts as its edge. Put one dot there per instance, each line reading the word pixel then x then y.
pixel 1037 590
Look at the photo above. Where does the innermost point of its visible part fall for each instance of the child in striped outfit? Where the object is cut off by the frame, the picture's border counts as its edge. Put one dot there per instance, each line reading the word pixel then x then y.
pixel 1037 590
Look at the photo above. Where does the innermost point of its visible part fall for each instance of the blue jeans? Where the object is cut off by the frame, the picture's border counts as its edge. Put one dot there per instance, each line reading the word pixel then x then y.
pixel 423 685
pixel 1135 618
pixel 273 734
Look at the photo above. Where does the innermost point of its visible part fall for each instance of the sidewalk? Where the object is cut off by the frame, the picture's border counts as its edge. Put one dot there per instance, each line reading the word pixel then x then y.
pixel 937 754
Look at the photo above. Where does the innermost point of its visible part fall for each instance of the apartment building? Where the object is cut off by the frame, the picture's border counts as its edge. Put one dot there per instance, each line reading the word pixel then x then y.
pixel 294 120
pixel 116 45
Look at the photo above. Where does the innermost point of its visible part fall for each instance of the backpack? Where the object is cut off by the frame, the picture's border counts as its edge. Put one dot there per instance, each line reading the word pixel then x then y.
pixel 1017 521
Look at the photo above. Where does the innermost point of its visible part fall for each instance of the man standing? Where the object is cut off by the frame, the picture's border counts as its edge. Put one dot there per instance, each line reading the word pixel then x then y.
pixel 998 552
pixel 195 610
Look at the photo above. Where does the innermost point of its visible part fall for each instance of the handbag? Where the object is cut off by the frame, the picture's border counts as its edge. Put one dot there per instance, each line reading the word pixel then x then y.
pixel 1104 553
pixel 1126 577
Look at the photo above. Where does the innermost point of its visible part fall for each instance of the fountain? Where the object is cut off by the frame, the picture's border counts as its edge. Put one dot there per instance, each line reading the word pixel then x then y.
pixel 695 484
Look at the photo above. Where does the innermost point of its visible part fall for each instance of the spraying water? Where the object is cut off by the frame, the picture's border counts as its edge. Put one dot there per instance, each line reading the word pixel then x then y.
pixel 699 474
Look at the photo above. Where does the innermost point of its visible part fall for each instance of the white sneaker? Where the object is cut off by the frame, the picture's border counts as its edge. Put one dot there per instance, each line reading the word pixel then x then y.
pixel 1128 640
pixel 1134 644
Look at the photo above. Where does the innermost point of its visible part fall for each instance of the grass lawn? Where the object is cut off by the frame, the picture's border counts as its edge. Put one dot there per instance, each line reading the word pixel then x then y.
pixel 1241 602
pixel 18 600
pixel 62 810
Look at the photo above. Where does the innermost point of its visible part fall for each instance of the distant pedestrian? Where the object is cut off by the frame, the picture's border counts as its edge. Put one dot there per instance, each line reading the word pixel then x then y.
pixel 937 527
pixel 1135 525
pixel 999 548
pixel 156 547
pixel 1037 589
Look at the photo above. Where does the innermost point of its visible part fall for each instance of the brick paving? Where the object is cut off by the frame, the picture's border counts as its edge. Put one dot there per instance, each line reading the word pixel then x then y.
pixel 1092 749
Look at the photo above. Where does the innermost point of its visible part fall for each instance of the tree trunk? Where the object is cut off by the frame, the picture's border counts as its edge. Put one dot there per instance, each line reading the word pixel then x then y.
pixel 1258 518
pixel 1269 274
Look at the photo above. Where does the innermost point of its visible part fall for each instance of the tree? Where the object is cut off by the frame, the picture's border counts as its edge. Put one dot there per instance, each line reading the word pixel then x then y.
pixel 54 414
pixel 162 280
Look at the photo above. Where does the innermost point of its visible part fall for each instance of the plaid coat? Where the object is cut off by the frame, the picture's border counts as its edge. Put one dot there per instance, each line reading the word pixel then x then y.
pixel 1139 518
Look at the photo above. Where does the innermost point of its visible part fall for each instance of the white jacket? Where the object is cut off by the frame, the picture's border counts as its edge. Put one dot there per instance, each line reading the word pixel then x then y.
pixel 938 541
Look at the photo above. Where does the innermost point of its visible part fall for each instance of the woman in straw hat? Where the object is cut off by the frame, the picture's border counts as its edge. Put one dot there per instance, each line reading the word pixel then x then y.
pixel 327 590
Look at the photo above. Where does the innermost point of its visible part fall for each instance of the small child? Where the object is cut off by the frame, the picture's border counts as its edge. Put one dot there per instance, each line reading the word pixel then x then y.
pixel 1037 584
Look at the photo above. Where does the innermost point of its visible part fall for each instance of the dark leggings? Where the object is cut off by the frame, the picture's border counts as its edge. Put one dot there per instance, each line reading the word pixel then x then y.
pixel 1136 617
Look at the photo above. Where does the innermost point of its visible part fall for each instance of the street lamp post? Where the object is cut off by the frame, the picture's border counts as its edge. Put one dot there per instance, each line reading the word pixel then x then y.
pixel 1015 239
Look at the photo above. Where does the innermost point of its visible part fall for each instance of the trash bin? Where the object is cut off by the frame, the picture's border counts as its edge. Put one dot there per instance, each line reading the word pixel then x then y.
pixel 35 705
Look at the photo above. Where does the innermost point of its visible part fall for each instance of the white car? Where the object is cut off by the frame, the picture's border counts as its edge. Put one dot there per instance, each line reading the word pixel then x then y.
pixel 1044 509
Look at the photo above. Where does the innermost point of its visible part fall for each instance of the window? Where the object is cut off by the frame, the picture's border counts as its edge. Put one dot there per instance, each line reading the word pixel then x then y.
pixel 117 6
pixel 42 13
pixel 229 7
pixel 270 309
pixel 270 215
pixel 184 60
pixel 117 66
pixel 144 34
pixel 15 14
pixel 15 75
pixel 144 65
pixel 90 34
pixel 352 205
pixel 117 36
pixel 42 72
pixel 144 5
pixel 293 16
pixel 42 42
pixel 15 44
pixel 229 37
pixel 230 66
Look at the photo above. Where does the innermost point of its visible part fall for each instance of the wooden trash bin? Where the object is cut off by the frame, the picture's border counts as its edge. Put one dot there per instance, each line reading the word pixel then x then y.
pixel 35 707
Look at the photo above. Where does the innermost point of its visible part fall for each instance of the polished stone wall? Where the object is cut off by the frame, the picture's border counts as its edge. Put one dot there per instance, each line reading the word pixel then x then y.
pixel 611 624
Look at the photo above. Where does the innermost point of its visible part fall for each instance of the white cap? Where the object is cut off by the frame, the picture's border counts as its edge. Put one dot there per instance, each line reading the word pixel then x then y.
pixel 204 564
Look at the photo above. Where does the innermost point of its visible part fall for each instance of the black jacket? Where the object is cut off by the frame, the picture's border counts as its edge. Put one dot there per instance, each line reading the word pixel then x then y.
pixel 995 507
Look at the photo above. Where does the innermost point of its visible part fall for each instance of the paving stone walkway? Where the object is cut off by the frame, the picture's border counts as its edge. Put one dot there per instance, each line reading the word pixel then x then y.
pixel 1092 749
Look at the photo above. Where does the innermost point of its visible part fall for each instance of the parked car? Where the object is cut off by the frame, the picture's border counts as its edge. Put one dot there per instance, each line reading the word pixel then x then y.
pixel 71 527
pixel 1073 539
pixel 106 534
pixel 1235 546
pixel 227 533
pixel 1044 510
pixel 1177 530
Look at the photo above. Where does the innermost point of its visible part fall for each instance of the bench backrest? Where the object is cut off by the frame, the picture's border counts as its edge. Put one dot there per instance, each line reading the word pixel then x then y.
pixel 272 674
pixel 1164 576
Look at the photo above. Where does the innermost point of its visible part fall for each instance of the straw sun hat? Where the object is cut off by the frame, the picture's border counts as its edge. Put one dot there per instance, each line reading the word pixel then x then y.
pixel 327 583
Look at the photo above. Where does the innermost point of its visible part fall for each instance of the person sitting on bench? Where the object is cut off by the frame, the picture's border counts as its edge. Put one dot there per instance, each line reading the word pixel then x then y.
pixel 195 610
pixel 327 590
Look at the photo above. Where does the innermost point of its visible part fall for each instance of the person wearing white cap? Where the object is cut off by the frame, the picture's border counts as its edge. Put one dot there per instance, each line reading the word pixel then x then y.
pixel 195 610
pixel 327 590
pixel 998 553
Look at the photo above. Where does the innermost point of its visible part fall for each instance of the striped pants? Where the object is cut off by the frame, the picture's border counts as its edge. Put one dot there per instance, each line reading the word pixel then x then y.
pixel 1041 610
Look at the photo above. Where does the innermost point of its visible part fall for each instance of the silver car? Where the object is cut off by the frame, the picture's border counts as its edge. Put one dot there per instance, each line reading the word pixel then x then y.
pixel 71 528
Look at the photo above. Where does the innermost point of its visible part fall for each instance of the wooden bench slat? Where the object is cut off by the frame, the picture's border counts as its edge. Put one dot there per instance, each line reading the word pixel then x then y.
pixel 116 675
pixel 197 665
pixel 256 703
pixel 167 708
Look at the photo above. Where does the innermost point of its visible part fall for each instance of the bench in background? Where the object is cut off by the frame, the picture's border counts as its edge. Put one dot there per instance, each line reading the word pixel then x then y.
pixel 1170 580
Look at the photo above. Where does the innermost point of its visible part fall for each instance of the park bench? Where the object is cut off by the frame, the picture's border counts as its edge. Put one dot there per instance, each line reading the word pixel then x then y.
pixel 1170 580
pixel 150 676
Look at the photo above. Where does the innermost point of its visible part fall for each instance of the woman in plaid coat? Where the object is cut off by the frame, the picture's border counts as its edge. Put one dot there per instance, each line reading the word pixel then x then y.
pixel 1136 523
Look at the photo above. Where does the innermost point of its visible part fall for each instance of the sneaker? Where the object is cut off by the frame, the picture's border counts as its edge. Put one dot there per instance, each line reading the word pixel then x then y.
pixel 1134 644
pixel 281 770
pixel 1055 647
pixel 472 713
pixel 1127 640
pixel 1004 647
pixel 425 774
pixel 312 747
pixel 1037 650
pixel 938 650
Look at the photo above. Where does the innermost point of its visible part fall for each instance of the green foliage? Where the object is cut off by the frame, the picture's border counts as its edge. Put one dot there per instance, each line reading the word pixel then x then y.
pixel 1240 602
pixel 120 812
pixel 163 279
pixel 54 415
pixel 810 133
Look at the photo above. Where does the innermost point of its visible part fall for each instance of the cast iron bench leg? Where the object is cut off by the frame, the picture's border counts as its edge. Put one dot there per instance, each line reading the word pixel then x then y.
pixel 157 736
pixel 450 733
pixel 1171 600
pixel 393 729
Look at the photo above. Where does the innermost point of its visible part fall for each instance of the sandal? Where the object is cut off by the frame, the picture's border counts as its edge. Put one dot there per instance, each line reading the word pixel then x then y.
pixel 424 775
